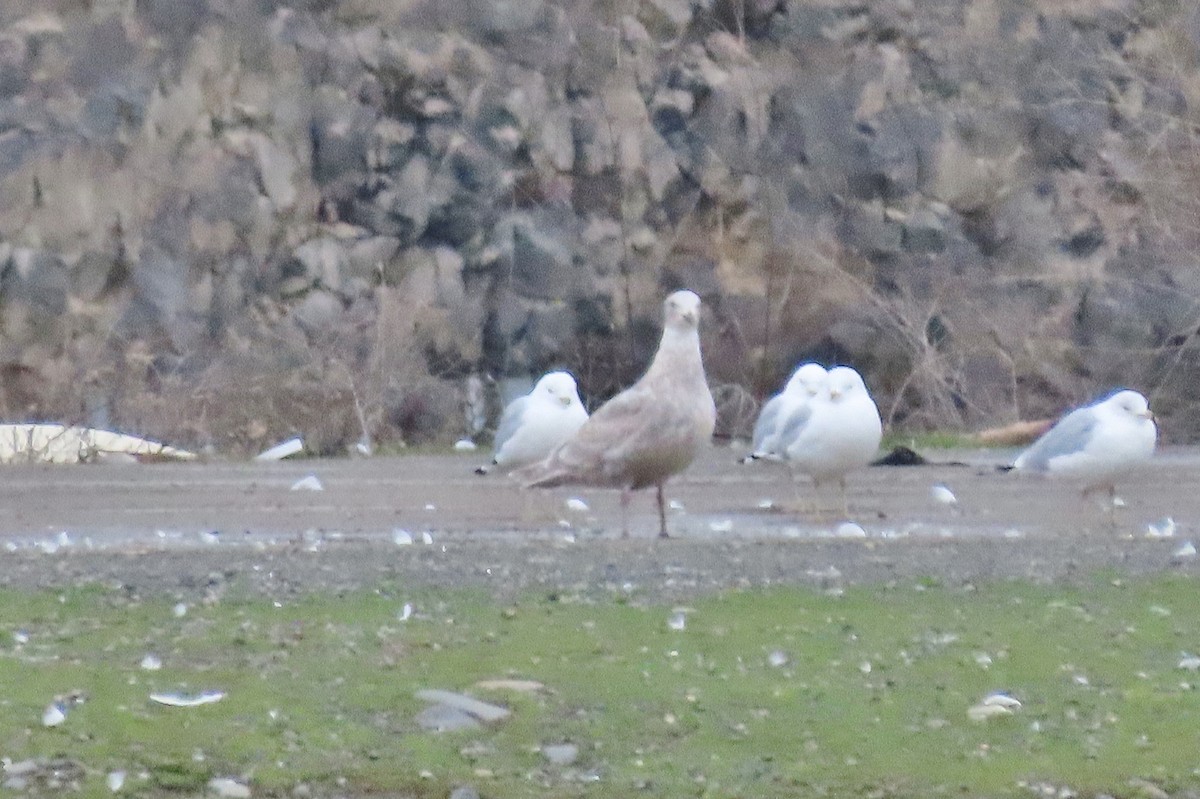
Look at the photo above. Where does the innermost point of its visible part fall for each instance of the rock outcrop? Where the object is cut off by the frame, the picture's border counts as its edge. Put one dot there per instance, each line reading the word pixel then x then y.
pixel 223 223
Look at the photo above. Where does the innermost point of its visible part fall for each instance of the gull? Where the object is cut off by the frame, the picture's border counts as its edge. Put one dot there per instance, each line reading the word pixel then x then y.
pixel 838 431
pixel 1095 444
pixel 535 423
pixel 651 430
pixel 806 383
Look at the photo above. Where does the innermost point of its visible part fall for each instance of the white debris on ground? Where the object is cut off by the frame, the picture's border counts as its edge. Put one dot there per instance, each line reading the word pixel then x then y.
pixel 56 443
pixel 993 705
pixel 1186 550
pixel 280 451
pixel 115 781
pixel 228 788
pixel 577 505
pixel 187 700
pixel 308 483
pixel 464 445
pixel 151 663
pixel 401 538
pixel 54 715
pixel 943 495
pixel 678 620
pixel 1163 528
pixel 850 530
pixel 1189 662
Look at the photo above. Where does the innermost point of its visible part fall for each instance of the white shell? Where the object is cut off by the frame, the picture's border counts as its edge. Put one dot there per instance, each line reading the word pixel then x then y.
pixel 850 530
pixel 309 483
pixel 187 700
pixel 53 715
pixel 1002 700
pixel 1163 528
pixel 943 495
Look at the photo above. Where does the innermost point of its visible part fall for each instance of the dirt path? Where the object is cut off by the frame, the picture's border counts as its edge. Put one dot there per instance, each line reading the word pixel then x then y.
pixel 194 528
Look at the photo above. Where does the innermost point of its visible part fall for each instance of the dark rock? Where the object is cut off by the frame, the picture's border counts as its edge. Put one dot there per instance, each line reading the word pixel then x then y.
pixel 901 456
pixel 540 260
pixel 924 231
pixel 868 229
pixel 97 273
pixel 35 279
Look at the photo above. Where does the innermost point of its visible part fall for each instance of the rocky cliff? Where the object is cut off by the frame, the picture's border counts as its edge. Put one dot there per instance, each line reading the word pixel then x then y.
pixel 224 222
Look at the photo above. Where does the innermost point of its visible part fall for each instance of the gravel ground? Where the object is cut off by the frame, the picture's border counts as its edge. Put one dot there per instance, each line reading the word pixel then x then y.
pixel 187 529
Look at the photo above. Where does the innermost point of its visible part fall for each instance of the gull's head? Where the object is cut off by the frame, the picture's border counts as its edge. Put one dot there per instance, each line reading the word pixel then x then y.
pixel 681 310
pixel 809 380
pixel 1131 403
pixel 845 382
pixel 558 387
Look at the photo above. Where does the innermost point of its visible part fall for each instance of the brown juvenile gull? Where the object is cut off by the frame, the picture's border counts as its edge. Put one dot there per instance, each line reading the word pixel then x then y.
pixel 649 431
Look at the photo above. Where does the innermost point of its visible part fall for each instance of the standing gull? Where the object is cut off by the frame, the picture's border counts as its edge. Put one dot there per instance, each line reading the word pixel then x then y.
pixel 836 432
pixel 1095 444
pixel 651 430
pixel 535 423
pixel 806 383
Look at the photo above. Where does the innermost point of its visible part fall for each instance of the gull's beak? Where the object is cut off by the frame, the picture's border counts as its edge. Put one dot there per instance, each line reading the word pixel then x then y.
pixel 689 317
pixel 1147 414
pixel 565 400
pixel 834 393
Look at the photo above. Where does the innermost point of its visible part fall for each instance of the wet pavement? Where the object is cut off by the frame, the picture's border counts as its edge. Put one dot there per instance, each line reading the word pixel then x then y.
pixel 173 524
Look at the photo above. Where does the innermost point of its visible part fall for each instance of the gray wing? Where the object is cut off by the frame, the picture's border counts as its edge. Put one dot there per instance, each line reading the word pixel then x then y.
pixel 794 425
pixel 1071 434
pixel 510 421
pixel 768 421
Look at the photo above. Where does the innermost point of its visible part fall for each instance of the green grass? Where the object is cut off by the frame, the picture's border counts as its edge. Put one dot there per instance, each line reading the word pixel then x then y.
pixel 921 441
pixel 872 702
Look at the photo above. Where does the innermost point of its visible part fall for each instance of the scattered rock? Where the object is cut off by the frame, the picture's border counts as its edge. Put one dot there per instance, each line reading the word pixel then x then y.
pixel 561 754
pixel 449 163
pixel 901 456
pixel 481 710
pixel 445 718
pixel 228 788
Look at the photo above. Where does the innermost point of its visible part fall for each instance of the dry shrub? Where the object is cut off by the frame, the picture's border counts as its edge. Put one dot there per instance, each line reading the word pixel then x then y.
pixel 363 377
